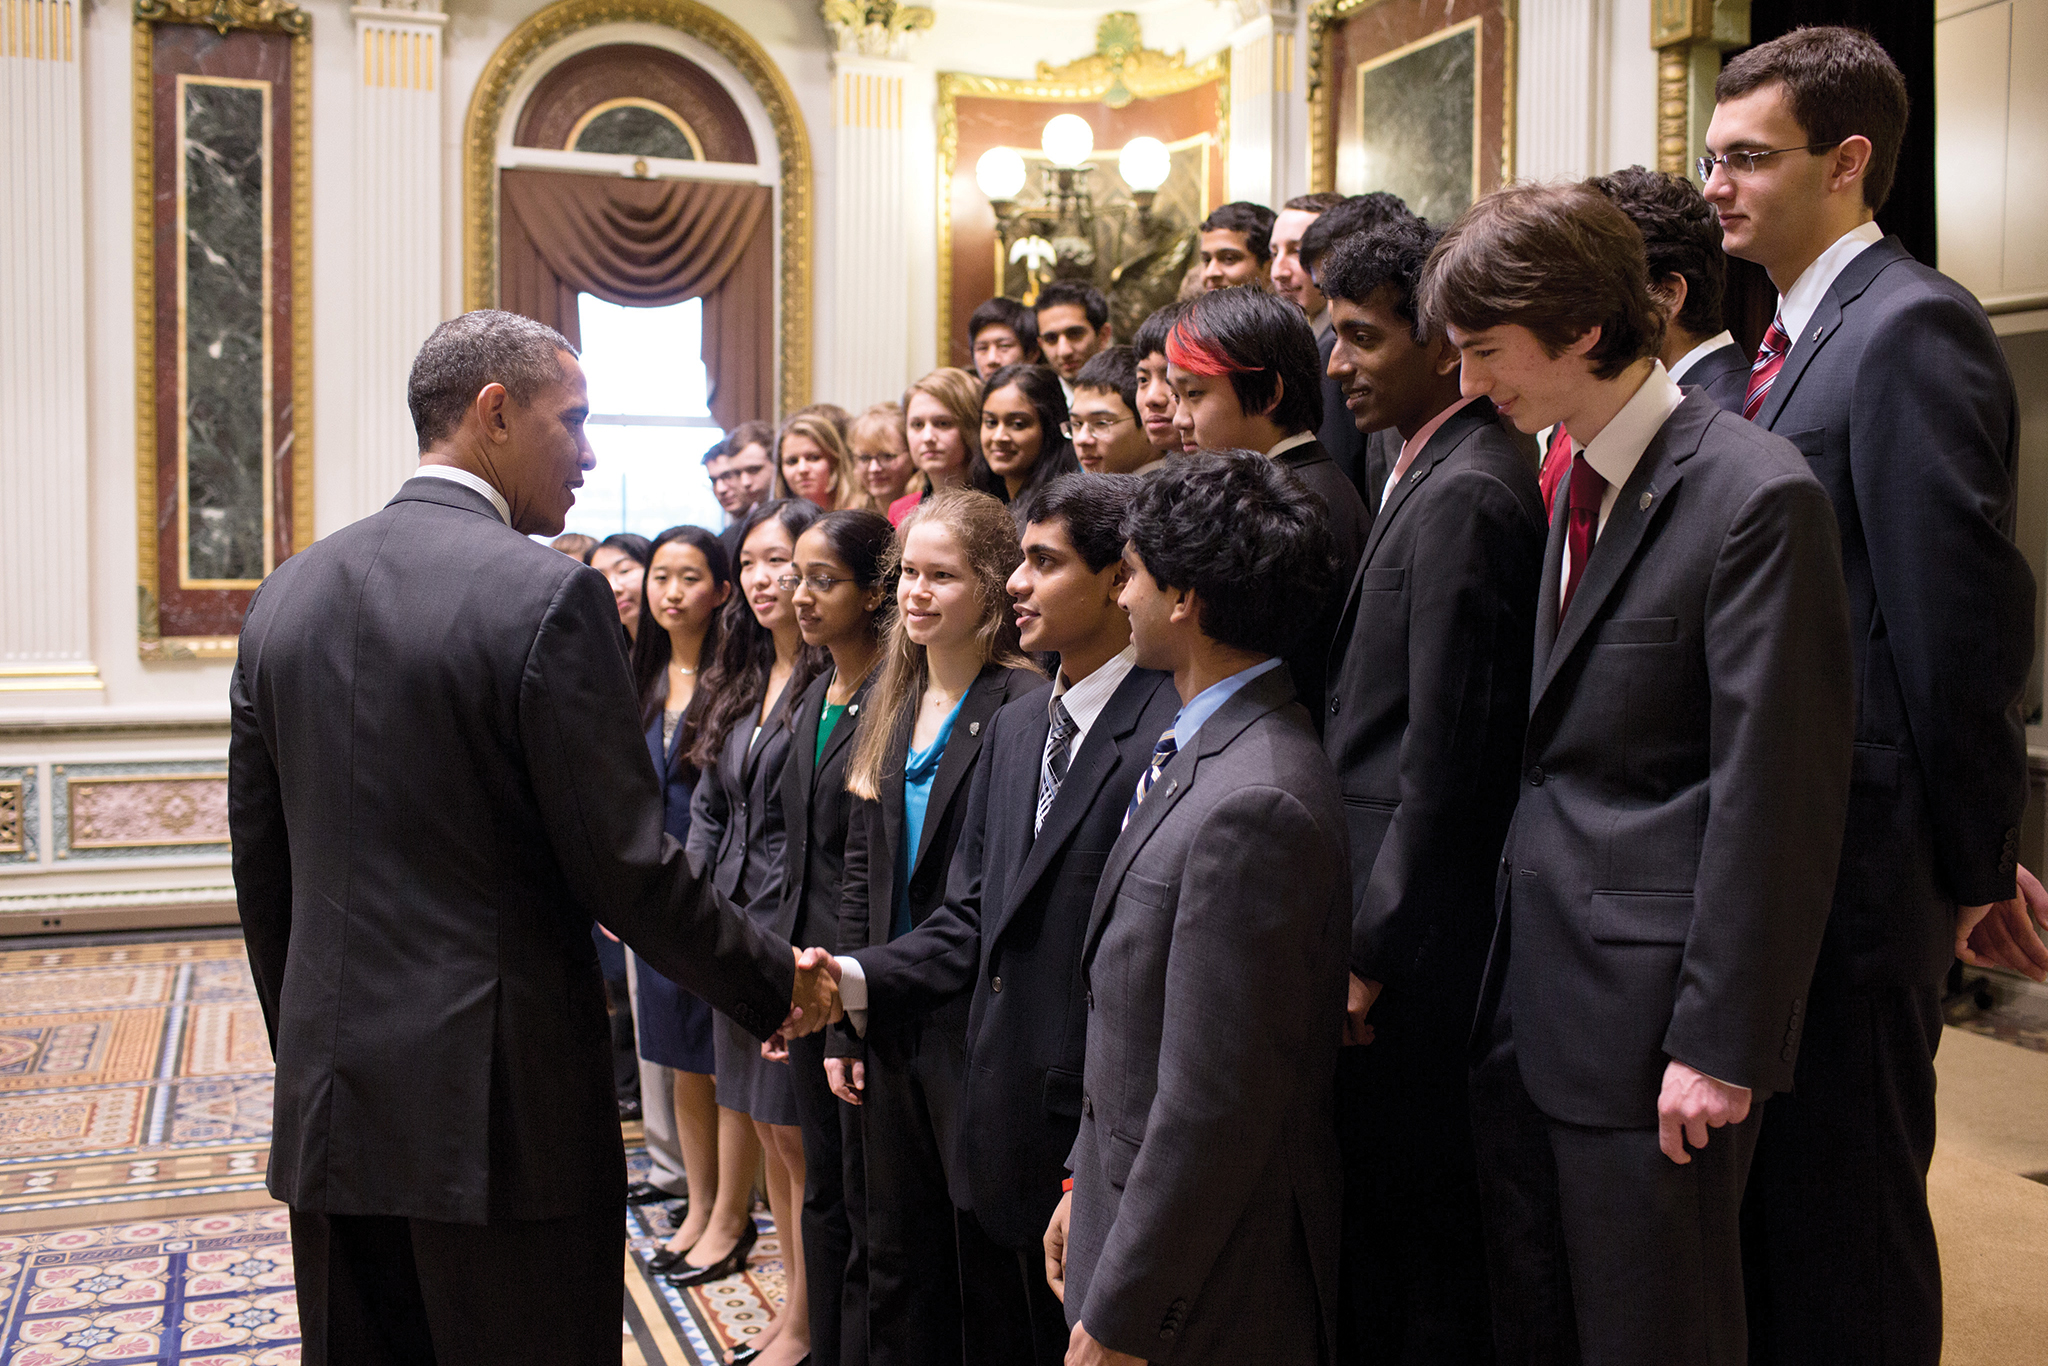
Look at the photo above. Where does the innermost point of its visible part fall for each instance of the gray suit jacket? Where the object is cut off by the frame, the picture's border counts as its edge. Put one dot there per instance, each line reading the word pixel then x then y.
pixel 1667 876
pixel 1206 1174
pixel 436 780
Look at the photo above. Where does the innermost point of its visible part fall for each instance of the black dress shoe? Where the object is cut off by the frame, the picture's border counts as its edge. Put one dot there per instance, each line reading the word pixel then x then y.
pixel 641 1193
pixel 740 1356
pixel 664 1260
pixel 629 1112
pixel 731 1264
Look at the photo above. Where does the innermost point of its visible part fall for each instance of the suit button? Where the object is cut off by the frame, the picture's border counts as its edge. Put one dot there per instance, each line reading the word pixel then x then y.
pixel 996 986
pixel 1536 776
pixel 1087 1107
pixel 1089 996
pixel 1333 706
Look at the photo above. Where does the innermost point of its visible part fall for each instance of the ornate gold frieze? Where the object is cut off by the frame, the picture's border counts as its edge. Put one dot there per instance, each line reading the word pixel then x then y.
pixel 221 15
pixel 874 28
pixel 13 816
pixel 531 40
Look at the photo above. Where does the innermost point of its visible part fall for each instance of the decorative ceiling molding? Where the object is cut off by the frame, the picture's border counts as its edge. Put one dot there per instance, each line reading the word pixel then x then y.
pixel 221 15
pixel 874 28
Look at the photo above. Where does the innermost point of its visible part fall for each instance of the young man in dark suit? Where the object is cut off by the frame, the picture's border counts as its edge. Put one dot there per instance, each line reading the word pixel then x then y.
pixel 1047 802
pixel 433 788
pixel 1688 279
pixel 1365 455
pixel 1202 1224
pixel 1666 877
pixel 1429 694
pixel 1243 363
pixel 1887 377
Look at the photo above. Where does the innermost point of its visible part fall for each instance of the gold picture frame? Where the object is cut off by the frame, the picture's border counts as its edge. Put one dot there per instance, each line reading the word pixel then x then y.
pixel 527 43
pixel 1120 70
pixel 278 17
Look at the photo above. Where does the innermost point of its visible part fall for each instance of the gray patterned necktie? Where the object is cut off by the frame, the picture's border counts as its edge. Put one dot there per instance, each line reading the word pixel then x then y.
pixel 1162 755
pixel 1053 771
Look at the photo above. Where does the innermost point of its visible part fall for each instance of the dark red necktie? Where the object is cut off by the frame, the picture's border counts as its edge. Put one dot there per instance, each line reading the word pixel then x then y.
pixel 1556 461
pixel 1770 358
pixel 1584 492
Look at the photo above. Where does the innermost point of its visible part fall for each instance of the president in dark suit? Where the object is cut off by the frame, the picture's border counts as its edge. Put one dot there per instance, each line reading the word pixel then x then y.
pixel 1048 799
pixel 1244 364
pixel 1666 878
pixel 1887 377
pixel 1202 1225
pixel 437 780
pixel 1429 694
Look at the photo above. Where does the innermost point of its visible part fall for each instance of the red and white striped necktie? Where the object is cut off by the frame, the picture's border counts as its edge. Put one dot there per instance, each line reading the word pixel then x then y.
pixel 1770 358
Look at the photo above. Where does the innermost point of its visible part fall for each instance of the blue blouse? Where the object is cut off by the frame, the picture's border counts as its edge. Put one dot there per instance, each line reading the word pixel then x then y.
pixel 920 769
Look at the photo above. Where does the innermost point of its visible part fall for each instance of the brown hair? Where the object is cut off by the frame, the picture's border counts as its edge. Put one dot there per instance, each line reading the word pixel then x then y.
pixel 982 528
pixel 829 437
pixel 1842 84
pixel 1559 260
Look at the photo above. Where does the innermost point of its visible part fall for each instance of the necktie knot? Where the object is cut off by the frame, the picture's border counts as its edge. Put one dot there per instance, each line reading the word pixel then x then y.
pixel 1588 486
pixel 1162 755
pixel 1770 358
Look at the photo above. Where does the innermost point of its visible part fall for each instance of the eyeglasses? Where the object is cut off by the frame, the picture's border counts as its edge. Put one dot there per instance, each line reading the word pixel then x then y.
pixel 817 583
pixel 880 458
pixel 1097 428
pixel 1742 163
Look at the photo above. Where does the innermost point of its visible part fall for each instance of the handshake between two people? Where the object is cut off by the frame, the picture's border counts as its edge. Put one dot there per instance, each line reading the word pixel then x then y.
pixel 814 1001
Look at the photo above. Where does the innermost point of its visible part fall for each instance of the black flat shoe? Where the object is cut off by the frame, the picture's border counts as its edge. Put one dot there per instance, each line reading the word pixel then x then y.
pixel 731 1264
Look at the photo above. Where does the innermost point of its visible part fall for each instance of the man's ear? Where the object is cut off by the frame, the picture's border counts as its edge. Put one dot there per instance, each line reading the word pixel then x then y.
pixel 1585 344
pixel 1279 392
pixel 1670 294
pixel 1445 358
pixel 489 406
pixel 1849 163
pixel 1184 608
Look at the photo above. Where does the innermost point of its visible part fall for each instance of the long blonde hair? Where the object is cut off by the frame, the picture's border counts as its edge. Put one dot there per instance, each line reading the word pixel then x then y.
pixel 830 437
pixel 981 526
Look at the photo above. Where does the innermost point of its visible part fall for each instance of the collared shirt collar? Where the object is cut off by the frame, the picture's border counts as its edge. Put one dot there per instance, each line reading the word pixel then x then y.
pixel 1414 447
pixel 1210 700
pixel 1289 443
pixel 1797 305
pixel 1699 353
pixel 469 481
pixel 1085 700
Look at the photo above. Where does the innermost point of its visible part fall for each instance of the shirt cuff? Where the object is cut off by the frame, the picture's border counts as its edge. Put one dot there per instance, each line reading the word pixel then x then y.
pixel 853 992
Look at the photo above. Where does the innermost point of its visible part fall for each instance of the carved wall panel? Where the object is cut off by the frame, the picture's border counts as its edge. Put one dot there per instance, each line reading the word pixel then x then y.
pixel 147 808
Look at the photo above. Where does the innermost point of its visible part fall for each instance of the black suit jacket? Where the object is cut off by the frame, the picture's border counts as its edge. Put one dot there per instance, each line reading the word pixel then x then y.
pixel 436 779
pixel 1898 395
pixel 816 810
pixel 1667 875
pixel 736 829
pixel 867 899
pixel 1427 706
pixel 1724 374
pixel 1010 932
pixel 1350 523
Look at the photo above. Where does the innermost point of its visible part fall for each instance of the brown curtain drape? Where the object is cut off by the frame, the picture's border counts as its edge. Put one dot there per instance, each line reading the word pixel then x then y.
pixel 646 243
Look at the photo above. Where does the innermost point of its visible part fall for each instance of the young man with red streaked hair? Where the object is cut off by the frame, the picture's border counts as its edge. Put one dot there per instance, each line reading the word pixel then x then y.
pixel 1245 367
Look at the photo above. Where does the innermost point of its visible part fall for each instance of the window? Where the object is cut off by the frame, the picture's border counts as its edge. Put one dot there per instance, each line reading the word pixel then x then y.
pixel 650 422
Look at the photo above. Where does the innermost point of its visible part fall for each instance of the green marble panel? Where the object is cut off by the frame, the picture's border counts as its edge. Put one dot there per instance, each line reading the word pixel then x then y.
pixel 1418 113
pixel 636 131
pixel 224 143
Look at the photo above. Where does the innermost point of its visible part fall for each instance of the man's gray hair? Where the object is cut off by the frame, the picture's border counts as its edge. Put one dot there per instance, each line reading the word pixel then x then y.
pixel 464 354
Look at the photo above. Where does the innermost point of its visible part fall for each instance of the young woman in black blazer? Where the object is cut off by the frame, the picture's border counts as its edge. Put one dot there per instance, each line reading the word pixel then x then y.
pixel 842 597
pixel 950 661
pixel 736 834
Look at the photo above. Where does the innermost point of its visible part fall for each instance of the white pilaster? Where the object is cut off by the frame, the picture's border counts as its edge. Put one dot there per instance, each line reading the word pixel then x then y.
pixel 397 230
pixel 1558 109
pixel 870 355
pixel 1268 115
pixel 45 540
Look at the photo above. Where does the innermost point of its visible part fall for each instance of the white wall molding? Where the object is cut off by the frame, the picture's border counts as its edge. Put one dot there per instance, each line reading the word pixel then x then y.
pixel 45 512
pixel 397 235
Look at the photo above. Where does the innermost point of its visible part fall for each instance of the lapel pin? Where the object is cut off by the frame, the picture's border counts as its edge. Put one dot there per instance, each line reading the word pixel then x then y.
pixel 1817 331
pixel 1645 501
pixel 974 727
pixel 1170 789
pixel 853 710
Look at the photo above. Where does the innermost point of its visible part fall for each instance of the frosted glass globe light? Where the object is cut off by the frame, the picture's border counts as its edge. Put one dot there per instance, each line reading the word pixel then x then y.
pixel 1067 140
pixel 1145 164
pixel 1000 174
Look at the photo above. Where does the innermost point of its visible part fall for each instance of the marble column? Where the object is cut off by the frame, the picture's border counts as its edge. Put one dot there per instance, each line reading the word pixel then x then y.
pixel 871 232
pixel 45 529
pixel 397 230
pixel 1268 116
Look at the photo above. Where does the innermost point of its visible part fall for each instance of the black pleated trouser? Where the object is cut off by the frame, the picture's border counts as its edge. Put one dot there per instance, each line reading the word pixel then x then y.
pixel 835 1255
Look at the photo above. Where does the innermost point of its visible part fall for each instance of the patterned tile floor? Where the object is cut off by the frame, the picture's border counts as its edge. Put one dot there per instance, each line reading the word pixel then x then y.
pixel 129 1072
pixel 712 1318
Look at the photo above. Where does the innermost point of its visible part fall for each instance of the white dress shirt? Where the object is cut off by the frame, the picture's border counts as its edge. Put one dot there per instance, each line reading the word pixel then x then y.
pixel 1084 702
pixel 1699 353
pixel 468 481
pixel 1289 443
pixel 1615 453
pixel 1796 305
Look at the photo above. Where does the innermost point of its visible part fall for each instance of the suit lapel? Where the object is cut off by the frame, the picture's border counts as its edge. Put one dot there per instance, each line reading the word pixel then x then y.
pixel 1093 763
pixel 842 734
pixel 804 722
pixel 1262 695
pixel 1640 502
pixel 963 746
pixel 1826 320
